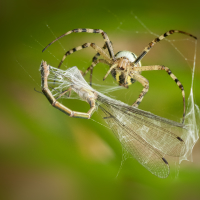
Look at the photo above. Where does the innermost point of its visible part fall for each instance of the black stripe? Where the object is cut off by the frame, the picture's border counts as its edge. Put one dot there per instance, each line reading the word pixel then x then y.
pixel 140 57
pixel 181 87
pixel 117 53
pixel 138 102
pixel 165 161
pixel 74 49
pixel 149 47
pixel 108 49
pixel 103 34
pixel 176 80
pixel 113 72
pixel 96 31
pixel 108 117
pixel 84 30
pixel 169 72
pixel 84 45
pixel 133 80
pixel 157 40
pixel 104 46
pixel 92 44
pixel 179 139
pixel 165 35
pixel 134 55
pixel 121 79
pixel 75 30
pixel 94 59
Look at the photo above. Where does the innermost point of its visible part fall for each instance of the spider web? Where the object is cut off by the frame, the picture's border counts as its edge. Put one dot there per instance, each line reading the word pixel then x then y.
pixel 192 111
pixel 140 132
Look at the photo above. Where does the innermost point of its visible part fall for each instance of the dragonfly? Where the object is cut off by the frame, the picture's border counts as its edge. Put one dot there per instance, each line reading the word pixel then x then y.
pixel 147 137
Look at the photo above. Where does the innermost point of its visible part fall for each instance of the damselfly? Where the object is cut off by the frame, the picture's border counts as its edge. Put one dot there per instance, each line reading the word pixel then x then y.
pixel 147 137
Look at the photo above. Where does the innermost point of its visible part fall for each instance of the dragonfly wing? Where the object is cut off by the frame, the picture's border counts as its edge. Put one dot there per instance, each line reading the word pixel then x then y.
pixel 160 135
pixel 141 150
pixel 163 134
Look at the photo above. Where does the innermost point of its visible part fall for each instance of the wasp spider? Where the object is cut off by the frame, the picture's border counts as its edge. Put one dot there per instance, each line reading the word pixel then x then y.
pixel 125 66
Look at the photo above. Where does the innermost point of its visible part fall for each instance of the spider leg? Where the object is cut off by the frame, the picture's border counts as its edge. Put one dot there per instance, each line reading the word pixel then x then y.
pixel 79 30
pixel 90 68
pixel 158 39
pixel 145 84
pixel 160 67
pixel 97 55
pixel 94 63
pixel 112 67
pixel 55 103
pixel 93 45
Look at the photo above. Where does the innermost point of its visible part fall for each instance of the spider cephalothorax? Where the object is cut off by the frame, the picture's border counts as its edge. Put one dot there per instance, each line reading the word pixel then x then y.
pixel 125 67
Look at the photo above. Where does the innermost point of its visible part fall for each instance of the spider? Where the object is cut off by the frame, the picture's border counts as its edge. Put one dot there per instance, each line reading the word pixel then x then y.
pixel 125 66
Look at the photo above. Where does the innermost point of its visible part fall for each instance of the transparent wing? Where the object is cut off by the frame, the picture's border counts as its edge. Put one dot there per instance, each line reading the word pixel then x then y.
pixel 142 151
pixel 162 134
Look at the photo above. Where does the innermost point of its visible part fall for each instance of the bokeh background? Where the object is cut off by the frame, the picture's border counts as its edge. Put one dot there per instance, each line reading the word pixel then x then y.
pixel 45 154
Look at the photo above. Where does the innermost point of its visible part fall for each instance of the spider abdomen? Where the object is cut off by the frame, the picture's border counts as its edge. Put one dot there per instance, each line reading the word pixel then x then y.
pixel 120 77
pixel 129 55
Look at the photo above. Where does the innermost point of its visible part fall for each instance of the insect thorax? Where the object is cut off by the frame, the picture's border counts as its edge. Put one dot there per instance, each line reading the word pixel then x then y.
pixel 124 59
pixel 84 93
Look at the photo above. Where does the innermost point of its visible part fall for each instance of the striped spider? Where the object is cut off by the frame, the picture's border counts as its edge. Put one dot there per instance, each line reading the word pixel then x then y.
pixel 125 66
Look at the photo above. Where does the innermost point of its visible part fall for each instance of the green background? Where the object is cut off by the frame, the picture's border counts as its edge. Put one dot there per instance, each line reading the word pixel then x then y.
pixel 45 154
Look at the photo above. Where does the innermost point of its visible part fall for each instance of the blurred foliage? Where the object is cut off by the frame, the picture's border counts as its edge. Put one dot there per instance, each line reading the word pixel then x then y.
pixel 47 155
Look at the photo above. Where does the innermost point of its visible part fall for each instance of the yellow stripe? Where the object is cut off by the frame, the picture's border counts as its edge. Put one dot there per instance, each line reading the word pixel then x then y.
pixel 129 80
pixel 117 76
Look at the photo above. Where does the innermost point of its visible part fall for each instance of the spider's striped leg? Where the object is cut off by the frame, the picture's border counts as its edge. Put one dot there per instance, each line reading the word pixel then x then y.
pixel 90 68
pixel 94 63
pixel 160 67
pixel 158 39
pixel 87 30
pixel 104 47
pixel 145 84
pixel 97 55
pixel 93 45
pixel 55 103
